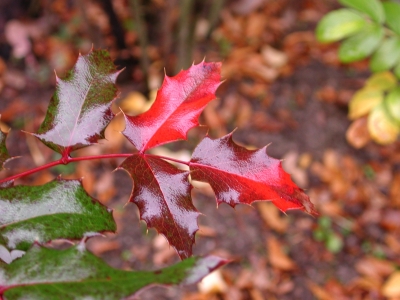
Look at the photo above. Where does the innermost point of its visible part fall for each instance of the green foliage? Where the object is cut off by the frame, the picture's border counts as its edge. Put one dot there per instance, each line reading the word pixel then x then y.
pixel 325 233
pixel 370 29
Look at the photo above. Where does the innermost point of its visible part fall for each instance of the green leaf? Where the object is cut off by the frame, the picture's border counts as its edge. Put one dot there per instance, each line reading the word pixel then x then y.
pixel 339 24
pixel 372 8
pixel 4 156
pixel 80 108
pixel 382 81
pixel 75 273
pixel 397 70
pixel 392 103
pixel 60 209
pixel 387 55
pixel 363 101
pixel 361 45
pixel 392 12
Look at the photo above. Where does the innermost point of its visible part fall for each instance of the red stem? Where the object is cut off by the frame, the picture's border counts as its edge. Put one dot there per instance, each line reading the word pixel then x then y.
pixel 171 159
pixel 62 161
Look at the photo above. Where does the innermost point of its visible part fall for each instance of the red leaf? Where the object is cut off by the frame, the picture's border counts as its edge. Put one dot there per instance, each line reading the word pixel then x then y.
pixel 176 109
pixel 162 193
pixel 238 175
pixel 80 108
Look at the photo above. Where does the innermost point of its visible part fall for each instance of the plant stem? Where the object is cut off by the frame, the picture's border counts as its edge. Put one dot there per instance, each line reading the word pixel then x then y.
pixel 170 159
pixel 63 161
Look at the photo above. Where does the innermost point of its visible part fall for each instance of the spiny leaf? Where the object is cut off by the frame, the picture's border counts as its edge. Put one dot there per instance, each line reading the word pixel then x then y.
pixel 4 156
pixel 75 273
pixel 176 109
pixel 162 193
pixel 80 108
pixel 59 209
pixel 238 175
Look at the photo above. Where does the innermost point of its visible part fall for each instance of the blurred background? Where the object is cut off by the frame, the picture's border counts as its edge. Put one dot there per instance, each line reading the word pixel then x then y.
pixel 281 88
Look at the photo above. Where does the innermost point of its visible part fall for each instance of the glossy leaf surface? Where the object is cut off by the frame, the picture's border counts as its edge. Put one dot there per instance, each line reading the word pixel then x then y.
pixel 361 45
pixel 4 156
pixel 238 175
pixel 79 110
pixel 75 273
pixel 162 194
pixel 339 24
pixel 392 12
pixel 387 55
pixel 179 102
pixel 60 209
pixel 372 8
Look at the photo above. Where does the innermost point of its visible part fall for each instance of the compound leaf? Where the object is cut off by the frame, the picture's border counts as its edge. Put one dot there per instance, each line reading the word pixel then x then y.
pixel 339 24
pixel 372 8
pixel 238 175
pixel 361 45
pixel 176 109
pixel 162 193
pixel 60 209
pixel 80 108
pixel 75 273
pixel 392 12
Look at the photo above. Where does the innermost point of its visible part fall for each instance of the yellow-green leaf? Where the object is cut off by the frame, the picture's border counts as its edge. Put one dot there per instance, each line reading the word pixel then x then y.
pixel 387 55
pixel 339 24
pixel 372 8
pixel 397 70
pixel 361 45
pixel 392 102
pixel 364 101
pixel 382 81
pixel 381 126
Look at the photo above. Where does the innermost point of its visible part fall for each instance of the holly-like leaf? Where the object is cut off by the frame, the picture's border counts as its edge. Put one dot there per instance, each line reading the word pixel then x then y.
pixel 162 194
pixel 176 109
pixel 80 108
pixel 60 209
pixel 4 156
pixel 75 273
pixel 238 175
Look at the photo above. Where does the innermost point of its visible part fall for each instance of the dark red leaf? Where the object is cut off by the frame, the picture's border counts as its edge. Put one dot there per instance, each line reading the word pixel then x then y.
pixel 176 109
pixel 238 175
pixel 80 108
pixel 162 193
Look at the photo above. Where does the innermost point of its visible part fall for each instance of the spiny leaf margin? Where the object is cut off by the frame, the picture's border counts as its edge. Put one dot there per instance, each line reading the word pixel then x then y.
pixel 80 108
pixel 75 273
pixel 60 209
pixel 238 175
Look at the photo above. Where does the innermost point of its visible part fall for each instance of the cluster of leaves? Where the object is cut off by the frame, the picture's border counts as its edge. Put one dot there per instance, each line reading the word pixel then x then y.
pixel 77 116
pixel 370 28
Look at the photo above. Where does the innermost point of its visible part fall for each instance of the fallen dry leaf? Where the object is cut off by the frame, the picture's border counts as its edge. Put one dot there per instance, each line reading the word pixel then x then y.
pixel 272 216
pixel 391 287
pixel 277 257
